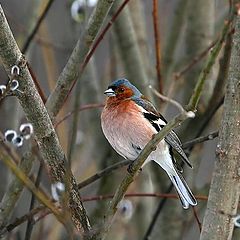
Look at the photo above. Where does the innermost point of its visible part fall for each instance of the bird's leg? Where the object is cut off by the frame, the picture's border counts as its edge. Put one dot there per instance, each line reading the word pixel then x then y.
pixel 130 168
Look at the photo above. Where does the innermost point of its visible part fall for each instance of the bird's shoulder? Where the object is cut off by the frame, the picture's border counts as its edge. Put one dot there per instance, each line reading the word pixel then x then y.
pixel 150 112
pixel 158 122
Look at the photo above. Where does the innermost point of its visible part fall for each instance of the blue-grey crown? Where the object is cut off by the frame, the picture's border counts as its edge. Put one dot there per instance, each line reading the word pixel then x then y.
pixel 125 82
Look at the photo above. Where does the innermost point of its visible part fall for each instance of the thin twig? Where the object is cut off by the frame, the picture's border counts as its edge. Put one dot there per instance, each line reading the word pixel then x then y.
pixel 24 218
pixel 36 27
pixel 37 84
pixel 35 211
pixel 30 222
pixel 123 163
pixel 157 44
pixel 37 38
pixel 82 108
pixel 130 195
pixel 211 60
pixel 195 60
pixel 72 70
pixel 167 99
pixel 81 56
pixel 135 167
pixel 156 214
pixel 201 139
pixel 104 172
pixel 28 42
pixel 95 45
pixel 74 124
pixel 209 114
pixel 197 219
pixel 103 33
pixel 28 183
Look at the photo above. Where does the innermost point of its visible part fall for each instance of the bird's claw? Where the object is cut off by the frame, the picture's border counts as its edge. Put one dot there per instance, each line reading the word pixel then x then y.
pixel 130 168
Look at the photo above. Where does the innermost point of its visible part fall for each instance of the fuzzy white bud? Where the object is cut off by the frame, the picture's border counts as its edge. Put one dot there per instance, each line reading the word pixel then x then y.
pixel 26 130
pixel 57 190
pixel 10 135
pixel 125 208
pixel 14 85
pixel 17 141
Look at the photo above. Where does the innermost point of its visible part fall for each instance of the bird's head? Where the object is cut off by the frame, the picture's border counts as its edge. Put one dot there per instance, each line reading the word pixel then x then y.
pixel 122 89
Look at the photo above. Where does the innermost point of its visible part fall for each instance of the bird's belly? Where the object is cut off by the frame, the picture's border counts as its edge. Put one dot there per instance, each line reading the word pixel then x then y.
pixel 128 135
pixel 119 136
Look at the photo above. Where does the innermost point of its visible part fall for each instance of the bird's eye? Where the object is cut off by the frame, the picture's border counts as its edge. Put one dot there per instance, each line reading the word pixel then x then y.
pixel 121 90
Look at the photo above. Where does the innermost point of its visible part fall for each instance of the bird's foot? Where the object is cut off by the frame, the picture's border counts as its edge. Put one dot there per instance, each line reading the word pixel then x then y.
pixel 130 168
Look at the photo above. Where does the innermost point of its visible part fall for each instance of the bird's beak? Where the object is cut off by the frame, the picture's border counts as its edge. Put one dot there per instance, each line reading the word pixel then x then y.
pixel 110 93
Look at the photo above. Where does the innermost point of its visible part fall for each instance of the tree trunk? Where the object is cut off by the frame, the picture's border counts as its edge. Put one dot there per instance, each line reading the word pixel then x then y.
pixel 225 186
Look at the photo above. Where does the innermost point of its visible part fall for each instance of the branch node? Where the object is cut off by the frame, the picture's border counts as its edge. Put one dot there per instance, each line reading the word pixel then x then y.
pixel 190 114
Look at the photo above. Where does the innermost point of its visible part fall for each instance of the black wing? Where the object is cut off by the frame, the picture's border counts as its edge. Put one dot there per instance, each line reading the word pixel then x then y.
pixel 173 140
pixel 158 122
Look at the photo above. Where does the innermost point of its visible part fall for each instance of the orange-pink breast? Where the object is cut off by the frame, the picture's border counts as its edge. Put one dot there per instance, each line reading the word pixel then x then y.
pixel 123 125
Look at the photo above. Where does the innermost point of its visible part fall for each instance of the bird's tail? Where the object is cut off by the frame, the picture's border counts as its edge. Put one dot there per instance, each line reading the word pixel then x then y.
pixel 183 190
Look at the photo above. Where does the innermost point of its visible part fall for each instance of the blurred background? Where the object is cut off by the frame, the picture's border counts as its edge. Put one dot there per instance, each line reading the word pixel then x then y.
pixel 187 30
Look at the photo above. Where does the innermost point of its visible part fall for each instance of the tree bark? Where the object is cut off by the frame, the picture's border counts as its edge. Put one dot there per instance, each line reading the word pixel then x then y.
pixel 225 186
pixel 44 132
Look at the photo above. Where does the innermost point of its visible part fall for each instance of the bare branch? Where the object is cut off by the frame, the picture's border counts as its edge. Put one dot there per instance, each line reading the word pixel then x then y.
pixel 37 114
pixel 197 219
pixel 195 60
pixel 82 108
pixel 191 143
pixel 128 179
pixel 36 27
pixel 104 172
pixel 210 61
pixel 28 183
pixel 167 99
pixel 136 165
pixel 74 66
pixel 46 212
pixel 157 45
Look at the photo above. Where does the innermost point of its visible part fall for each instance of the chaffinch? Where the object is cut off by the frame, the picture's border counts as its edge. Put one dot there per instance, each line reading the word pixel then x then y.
pixel 129 121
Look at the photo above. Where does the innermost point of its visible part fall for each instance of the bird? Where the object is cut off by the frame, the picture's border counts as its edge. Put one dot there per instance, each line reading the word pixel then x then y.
pixel 129 121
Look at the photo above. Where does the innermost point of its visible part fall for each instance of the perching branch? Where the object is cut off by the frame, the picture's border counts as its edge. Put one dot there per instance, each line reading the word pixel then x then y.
pixel 136 165
pixel 123 163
